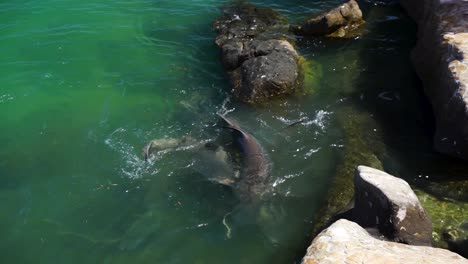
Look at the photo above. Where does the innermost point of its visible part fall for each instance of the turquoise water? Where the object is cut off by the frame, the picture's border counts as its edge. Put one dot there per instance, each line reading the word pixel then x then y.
pixel 85 85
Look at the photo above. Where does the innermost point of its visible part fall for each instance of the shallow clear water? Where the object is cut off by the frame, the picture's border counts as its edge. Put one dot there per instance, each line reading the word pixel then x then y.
pixel 86 85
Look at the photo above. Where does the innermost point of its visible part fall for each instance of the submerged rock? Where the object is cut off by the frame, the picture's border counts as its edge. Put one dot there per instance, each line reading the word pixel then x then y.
pixel 389 204
pixel 449 217
pixel 457 239
pixel 261 63
pixel 440 59
pixel 362 145
pixel 449 190
pixel 342 21
pixel 347 242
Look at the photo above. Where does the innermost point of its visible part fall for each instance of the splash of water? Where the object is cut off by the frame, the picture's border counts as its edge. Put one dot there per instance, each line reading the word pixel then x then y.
pixel 132 166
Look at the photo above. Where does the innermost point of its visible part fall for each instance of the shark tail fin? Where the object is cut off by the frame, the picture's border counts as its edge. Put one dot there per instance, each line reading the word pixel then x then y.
pixel 226 122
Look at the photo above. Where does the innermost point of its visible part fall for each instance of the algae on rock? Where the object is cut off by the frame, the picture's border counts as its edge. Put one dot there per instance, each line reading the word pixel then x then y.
pixel 359 148
pixel 447 217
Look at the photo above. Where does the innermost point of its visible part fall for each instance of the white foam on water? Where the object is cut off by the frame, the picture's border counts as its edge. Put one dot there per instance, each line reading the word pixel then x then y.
pixel 133 165
pixel 224 110
pixel 321 120
pixel 6 97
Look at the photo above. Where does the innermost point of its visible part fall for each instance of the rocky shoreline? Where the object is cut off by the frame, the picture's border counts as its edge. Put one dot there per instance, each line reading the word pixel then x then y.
pixel 440 41
pixel 386 222
pixel 258 51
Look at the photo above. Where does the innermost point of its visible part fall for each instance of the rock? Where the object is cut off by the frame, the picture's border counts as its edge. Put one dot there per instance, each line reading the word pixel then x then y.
pixel 450 228
pixel 347 242
pixel 440 61
pixel 261 63
pixel 242 21
pixel 273 71
pixel 341 21
pixel 389 203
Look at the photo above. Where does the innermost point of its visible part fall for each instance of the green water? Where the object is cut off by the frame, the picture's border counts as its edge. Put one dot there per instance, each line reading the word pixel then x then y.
pixel 85 85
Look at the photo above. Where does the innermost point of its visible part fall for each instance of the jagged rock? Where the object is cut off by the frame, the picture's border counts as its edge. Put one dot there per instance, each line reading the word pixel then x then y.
pixel 347 242
pixel 341 21
pixel 261 63
pixel 389 203
pixel 440 59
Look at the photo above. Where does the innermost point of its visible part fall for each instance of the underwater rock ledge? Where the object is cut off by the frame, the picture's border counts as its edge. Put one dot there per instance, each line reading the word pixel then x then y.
pixel 440 59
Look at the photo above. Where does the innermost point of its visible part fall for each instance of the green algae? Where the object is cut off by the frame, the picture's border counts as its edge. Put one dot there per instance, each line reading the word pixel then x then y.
pixel 77 73
pixel 312 72
pixel 352 30
pixel 360 148
pixel 447 217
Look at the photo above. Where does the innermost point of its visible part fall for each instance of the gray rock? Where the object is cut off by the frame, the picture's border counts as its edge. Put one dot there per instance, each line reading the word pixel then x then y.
pixel 261 63
pixel 440 59
pixel 341 21
pixel 389 204
pixel 272 71
pixel 347 242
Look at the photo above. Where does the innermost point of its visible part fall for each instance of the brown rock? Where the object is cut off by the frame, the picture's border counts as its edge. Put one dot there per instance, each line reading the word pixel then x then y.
pixel 338 22
pixel 347 242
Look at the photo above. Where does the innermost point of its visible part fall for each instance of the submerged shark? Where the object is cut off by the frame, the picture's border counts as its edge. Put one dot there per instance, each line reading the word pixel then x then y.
pixel 235 159
pixel 251 183
pixel 156 145
pixel 239 161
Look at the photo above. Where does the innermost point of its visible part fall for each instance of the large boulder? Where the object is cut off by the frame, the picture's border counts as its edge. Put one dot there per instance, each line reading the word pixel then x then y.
pixel 261 63
pixel 440 59
pixel 342 21
pixel 389 204
pixel 347 242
